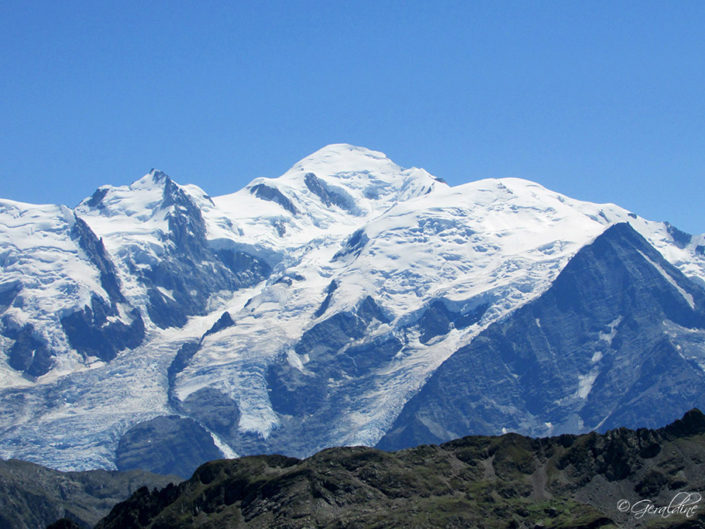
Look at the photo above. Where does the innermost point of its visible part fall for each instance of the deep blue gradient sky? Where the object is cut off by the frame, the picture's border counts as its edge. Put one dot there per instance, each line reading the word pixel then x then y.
pixel 603 101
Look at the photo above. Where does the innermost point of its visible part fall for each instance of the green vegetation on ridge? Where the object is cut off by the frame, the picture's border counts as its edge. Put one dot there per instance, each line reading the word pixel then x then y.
pixel 490 482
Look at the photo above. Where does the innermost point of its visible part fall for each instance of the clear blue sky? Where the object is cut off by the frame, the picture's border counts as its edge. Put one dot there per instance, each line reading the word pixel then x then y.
pixel 603 101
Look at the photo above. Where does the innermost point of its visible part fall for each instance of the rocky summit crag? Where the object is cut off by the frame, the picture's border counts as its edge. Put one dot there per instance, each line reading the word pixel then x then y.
pixel 347 302
pixel 587 481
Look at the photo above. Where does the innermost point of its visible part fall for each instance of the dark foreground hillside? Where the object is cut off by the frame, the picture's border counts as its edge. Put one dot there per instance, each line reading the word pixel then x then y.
pixel 510 481
pixel 31 496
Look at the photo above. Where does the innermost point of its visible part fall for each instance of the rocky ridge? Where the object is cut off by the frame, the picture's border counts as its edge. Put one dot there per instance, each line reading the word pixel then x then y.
pixel 586 481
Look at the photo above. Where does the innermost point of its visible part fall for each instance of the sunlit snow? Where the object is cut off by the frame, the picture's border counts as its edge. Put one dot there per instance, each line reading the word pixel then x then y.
pixel 495 241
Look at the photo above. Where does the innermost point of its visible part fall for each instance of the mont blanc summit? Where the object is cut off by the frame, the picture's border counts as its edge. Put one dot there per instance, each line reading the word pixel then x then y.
pixel 348 301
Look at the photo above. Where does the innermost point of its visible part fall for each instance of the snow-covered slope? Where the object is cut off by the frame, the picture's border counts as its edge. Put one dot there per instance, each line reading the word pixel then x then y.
pixel 347 282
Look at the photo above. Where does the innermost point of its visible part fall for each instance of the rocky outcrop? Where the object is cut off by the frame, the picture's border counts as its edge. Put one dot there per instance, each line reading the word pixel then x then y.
pixel 166 445
pixel 180 283
pixel 272 194
pixel 95 250
pixel 330 195
pixel 296 391
pixel 91 333
pixel 29 353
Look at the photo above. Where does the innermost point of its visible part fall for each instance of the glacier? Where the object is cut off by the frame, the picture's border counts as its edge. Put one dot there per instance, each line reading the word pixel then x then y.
pixel 348 280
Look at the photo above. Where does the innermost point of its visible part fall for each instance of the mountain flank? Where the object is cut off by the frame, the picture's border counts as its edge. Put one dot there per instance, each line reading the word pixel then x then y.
pixel 611 343
pixel 31 496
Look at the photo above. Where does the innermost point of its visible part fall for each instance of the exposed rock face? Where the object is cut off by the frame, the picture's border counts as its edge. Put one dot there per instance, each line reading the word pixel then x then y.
pixel 295 392
pixel 89 331
pixel 166 445
pixel 215 410
pixel 438 320
pixel 29 354
pixel 605 346
pixel 95 249
pixel 270 193
pixel 99 330
pixel 190 270
pixel 494 482
pixel 8 293
pixel 330 195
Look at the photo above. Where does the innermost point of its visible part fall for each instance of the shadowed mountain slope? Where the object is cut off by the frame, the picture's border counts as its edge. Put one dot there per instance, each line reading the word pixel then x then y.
pixel 616 340
pixel 32 496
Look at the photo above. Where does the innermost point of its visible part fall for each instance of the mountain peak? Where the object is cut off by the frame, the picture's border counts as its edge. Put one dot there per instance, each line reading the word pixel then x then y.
pixel 359 169
pixel 342 177
pixel 154 178
pixel 343 158
pixel 141 199
pixel 157 175
pixel 347 150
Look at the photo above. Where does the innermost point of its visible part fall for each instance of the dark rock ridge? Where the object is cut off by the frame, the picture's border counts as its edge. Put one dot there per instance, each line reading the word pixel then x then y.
pixel 215 410
pixel 247 269
pixel 96 200
pixel 32 496
pixel 189 349
pixel 95 250
pixel 89 332
pixel 272 194
pixel 681 238
pixel 492 482
pixel 606 345
pixel 223 322
pixel 184 355
pixel 206 407
pixel 332 287
pixel 330 195
pixel 209 406
pixel 8 292
pixel 180 283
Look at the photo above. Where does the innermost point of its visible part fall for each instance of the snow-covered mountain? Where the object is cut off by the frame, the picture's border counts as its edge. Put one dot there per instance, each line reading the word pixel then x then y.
pixel 344 302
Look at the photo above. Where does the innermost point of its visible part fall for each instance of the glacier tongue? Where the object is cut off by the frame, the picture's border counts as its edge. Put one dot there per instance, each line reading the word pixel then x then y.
pixel 349 281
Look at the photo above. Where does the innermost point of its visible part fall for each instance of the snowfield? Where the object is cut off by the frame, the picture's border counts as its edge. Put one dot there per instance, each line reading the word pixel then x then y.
pixel 344 215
